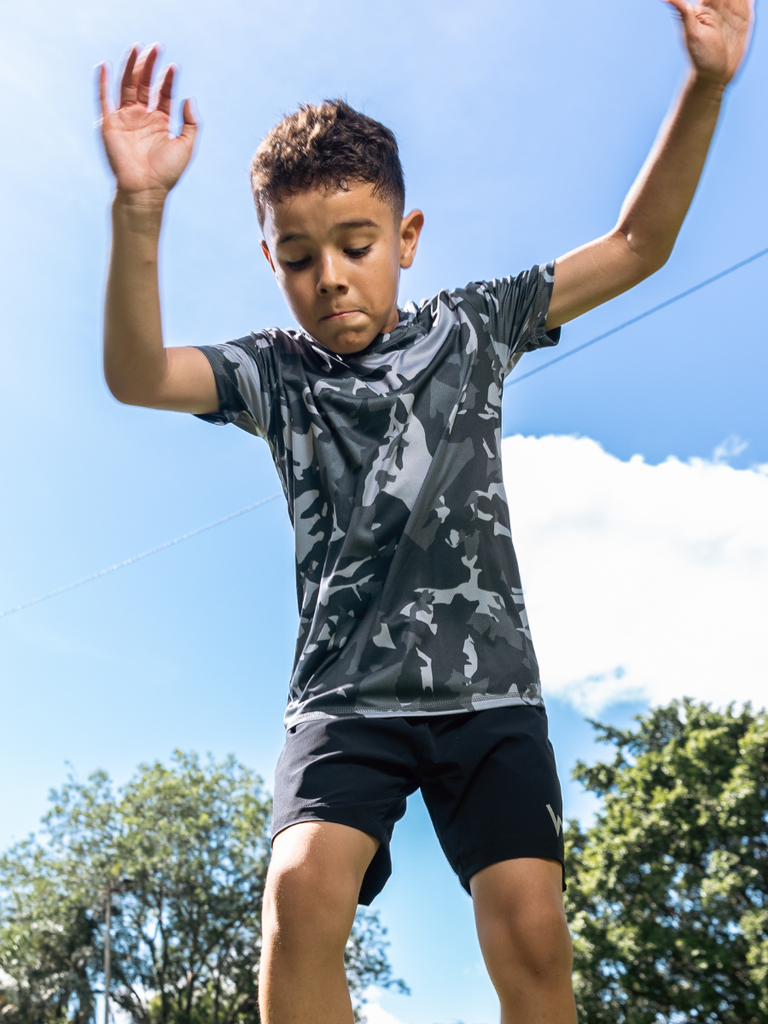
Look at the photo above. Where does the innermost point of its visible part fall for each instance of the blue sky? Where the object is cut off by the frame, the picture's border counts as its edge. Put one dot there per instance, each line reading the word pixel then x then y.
pixel 521 127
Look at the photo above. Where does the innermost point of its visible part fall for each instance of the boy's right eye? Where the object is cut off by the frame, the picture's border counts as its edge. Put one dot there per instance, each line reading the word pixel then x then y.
pixel 297 264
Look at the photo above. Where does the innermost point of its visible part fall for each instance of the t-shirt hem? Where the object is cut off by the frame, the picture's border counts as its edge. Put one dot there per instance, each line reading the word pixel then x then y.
pixel 438 708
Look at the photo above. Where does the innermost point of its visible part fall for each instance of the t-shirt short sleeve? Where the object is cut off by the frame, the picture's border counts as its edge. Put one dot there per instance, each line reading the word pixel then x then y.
pixel 516 311
pixel 245 374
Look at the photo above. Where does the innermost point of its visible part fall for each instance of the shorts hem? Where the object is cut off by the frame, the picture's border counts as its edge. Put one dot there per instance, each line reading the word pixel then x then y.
pixel 379 869
pixel 370 826
pixel 500 851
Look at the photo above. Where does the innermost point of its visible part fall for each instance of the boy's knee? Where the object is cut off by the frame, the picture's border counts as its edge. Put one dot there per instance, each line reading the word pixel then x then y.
pixel 310 895
pixel 521 920
pixel 544 945
pixel 302 882
pixel 533 937
pixel 303 910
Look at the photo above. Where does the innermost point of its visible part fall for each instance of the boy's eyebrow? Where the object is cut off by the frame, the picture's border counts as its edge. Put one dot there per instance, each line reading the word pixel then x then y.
pixel 344 225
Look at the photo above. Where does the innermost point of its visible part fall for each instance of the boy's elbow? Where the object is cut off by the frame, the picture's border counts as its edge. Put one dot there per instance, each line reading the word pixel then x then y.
pixel 116 390
pixel 117 386
pixel 644 257
pixel 657 260
pixel 126 391
pixel 134 382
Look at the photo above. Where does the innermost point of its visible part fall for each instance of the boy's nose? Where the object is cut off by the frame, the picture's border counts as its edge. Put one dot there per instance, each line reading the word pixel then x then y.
pixel 331 277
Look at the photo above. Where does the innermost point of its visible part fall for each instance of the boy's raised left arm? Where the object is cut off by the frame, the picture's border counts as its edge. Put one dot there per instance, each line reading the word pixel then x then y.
pixel 716 36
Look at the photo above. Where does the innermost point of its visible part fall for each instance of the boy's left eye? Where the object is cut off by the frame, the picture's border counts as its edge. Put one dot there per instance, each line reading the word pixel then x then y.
pixel 357 254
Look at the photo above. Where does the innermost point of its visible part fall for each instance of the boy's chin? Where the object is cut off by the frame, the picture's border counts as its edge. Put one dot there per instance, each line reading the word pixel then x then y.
pixel 347 343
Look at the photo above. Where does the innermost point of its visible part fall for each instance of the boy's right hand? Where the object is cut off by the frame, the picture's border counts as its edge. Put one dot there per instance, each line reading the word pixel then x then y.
pixel 146 160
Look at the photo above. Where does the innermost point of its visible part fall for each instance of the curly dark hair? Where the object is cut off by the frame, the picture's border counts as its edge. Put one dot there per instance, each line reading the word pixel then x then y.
pixel 328 144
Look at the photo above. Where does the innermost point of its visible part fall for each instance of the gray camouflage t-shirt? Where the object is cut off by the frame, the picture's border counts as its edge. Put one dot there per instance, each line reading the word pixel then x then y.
pixel 409 594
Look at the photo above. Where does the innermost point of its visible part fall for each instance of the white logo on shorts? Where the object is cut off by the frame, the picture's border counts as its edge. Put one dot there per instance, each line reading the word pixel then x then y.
pixel 557 821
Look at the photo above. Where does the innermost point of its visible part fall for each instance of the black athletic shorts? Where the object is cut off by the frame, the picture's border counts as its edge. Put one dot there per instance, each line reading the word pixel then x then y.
pixel 488 779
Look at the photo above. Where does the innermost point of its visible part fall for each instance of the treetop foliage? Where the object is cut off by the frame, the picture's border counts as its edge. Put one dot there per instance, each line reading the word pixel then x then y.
pixel 186 936
pixel 668 890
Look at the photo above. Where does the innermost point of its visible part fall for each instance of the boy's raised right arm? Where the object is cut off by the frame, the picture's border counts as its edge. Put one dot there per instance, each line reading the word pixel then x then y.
pixel 147 162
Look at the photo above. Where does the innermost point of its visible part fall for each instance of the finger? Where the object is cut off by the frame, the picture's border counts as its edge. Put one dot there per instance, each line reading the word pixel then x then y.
pixel 685 10
pixel 105 106
pixel 144 70
pixel 127 83
pixel 165 90
pixel 678 5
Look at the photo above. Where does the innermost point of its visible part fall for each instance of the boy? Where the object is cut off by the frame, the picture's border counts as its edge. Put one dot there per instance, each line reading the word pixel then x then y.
pixel 414 663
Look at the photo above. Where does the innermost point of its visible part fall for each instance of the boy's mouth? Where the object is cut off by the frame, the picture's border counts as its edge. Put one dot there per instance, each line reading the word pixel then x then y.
pixel 342 313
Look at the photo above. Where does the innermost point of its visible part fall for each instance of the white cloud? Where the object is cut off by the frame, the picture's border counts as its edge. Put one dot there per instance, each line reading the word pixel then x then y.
pixel 373 1012
pixel 641 581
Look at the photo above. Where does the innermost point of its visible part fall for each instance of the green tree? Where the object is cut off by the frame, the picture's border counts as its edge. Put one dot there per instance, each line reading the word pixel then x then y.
pixel 668 890
pixel 186 936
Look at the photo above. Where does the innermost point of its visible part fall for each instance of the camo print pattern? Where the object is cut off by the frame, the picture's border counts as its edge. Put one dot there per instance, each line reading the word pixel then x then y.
pixel 409 594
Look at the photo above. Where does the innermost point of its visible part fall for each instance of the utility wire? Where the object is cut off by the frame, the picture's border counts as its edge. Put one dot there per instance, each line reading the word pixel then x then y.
pixel 636 319
pixel 137 558
pixel 272 497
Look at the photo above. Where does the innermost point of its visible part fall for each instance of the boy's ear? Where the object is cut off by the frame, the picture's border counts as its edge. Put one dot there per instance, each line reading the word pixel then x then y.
pixel 267 254
pixel 410 229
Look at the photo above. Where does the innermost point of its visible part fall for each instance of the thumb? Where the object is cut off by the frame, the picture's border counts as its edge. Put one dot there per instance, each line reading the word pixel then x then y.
pixel 190 121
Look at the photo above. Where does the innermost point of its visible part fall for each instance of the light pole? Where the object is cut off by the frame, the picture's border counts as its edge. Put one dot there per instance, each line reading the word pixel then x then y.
pixel 121 885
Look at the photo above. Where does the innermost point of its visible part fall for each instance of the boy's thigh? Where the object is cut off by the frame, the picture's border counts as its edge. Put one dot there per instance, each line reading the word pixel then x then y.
pixel 351 771
pixel 493 791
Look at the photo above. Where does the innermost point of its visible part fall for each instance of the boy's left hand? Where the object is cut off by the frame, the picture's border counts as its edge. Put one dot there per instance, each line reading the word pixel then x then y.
pixel 716 35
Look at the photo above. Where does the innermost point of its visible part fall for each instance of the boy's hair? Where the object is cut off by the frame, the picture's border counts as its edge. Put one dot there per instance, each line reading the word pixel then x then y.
pixel 327 144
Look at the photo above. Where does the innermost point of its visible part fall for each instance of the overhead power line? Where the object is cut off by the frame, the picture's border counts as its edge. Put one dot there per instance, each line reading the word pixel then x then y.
pixel 636 319
pixel 137 558
pixel 508 383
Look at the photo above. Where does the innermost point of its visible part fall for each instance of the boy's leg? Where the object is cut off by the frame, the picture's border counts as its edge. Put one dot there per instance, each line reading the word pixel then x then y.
pixel 311 895
pixel 494 797
pixel 524 937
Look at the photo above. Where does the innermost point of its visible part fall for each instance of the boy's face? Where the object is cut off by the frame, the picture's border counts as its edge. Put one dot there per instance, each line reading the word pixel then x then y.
pixel 337 257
